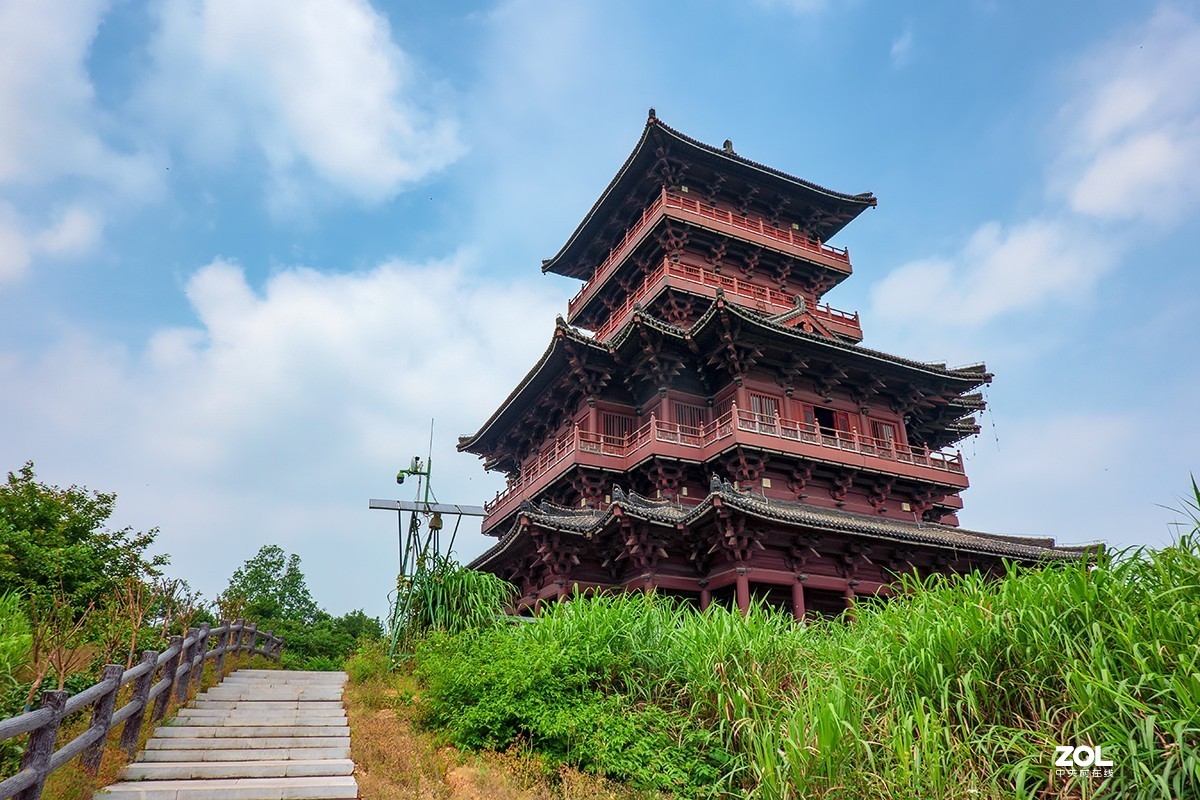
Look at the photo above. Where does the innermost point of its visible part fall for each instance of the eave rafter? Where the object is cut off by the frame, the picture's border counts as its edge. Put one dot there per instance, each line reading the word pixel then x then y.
pixel 791 368
pixel 801 548
pixel 734 538
pixel 652 362
pixel 733 354
pixel 827 379
pixel 557 552
pixel 642 545
pixel 590 371
pixel 862 387
pixel 668 170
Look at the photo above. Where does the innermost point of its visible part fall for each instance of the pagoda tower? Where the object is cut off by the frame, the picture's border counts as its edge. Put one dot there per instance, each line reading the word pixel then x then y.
pixel 703 425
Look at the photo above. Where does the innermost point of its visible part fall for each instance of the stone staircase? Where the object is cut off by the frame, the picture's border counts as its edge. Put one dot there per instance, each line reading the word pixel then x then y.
pixel 258 735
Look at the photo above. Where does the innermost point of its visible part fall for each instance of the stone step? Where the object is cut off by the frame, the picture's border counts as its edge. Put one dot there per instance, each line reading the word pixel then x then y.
pixel 296 673
pixel 282 681
pixel 184 770
pixel 269 705
pixel 243 719
pixel 242 731
pixel 306 694
pixel 230 743
pixel 338 787
pixel 247 754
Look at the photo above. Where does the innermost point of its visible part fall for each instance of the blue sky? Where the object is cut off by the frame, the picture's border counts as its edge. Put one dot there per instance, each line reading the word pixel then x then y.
pixel 249 249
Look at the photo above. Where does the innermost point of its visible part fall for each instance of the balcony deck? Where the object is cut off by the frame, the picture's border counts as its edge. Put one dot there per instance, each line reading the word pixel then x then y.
pixel 699 444
pixel 699 280
pixel 749 228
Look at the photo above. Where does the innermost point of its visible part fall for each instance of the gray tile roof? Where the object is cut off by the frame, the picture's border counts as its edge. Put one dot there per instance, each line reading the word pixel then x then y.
pixel 588 522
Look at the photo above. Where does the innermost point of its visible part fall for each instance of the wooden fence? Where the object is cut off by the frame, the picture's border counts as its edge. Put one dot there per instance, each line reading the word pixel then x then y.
pixel 180 666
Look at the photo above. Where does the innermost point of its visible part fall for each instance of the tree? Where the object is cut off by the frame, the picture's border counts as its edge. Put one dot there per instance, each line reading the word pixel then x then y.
pixel 59 556
pixel 269 586
pixel 55 541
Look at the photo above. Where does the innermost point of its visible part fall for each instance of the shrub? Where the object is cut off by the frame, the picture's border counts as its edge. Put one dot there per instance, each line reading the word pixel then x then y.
pixel 369 662
pixel 958 687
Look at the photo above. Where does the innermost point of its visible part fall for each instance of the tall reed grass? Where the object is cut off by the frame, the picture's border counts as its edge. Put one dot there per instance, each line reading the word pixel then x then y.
pixel 959 687
pixel 445 596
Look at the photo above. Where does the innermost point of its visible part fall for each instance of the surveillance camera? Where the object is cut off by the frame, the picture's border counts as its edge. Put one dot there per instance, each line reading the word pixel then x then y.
pixel 400 477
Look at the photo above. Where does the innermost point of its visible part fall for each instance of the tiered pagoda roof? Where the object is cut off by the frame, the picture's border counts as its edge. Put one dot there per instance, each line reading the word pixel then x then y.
pixel 699 365
pixel 575 356
pixel 662 148
pixel 589 523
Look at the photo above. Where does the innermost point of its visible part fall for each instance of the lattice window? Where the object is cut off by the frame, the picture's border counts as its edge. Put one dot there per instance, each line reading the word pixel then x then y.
pixel 764 407
pixel 616 426
pixel 690 418
pixel 885 433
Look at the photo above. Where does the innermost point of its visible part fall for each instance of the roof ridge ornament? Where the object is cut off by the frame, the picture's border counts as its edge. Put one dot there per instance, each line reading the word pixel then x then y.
pixel 728 147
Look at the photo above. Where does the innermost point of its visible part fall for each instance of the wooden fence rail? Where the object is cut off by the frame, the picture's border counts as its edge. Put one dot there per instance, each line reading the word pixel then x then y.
pixel 179 666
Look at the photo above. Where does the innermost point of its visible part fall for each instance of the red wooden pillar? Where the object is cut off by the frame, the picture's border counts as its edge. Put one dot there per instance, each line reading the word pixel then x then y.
pixel 798 607
pixel 705 599
pixel 743 591
pixel 849 595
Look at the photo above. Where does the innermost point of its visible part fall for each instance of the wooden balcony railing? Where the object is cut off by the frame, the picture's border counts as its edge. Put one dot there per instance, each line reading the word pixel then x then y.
pixel 667 201
pixel 624 450
pixel 178 667
pixel 764 297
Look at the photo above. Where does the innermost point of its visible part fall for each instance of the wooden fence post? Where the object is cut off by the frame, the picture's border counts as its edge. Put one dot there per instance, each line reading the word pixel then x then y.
pixel 253 640
pixel 237 640
pixel 181 686
pixel 269 646
pixel 40 746
pixel 222 643
pixel 102 717
pixel 141 694
pixel 161 702
pixel 202 650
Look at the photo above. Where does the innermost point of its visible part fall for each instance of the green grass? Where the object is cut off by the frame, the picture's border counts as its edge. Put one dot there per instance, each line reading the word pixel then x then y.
pixel 960 687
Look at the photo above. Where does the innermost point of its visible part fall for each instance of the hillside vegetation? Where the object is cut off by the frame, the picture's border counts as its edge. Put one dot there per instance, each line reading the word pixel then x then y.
pixel 960 688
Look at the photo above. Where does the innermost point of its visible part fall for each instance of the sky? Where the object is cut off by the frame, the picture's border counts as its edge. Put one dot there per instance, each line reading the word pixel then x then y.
pixel 249 250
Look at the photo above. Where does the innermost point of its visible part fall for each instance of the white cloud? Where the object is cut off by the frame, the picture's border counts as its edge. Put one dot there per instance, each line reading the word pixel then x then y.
pixel 75 232
pixel 1085 457
pixel 1133 155
pixel 998 271
pixel 902 47
pixel 52 126
pixel 317 87
pixel 1133 125
pixel 795 6
pixel 282 411
pixel 14 245
pixel 53 136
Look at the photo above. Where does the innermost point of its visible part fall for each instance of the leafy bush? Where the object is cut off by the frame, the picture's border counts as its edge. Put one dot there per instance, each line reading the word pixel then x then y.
pixel 566 688
pixel 324 643
pixel 370 661
pixel 959 687
pixel 15 640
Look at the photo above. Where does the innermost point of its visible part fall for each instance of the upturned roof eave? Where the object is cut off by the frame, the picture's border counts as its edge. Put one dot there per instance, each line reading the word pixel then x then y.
pixel 863 200
pixel 975 374
pixel 960 540
pixel 972 376
pixel 469 443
